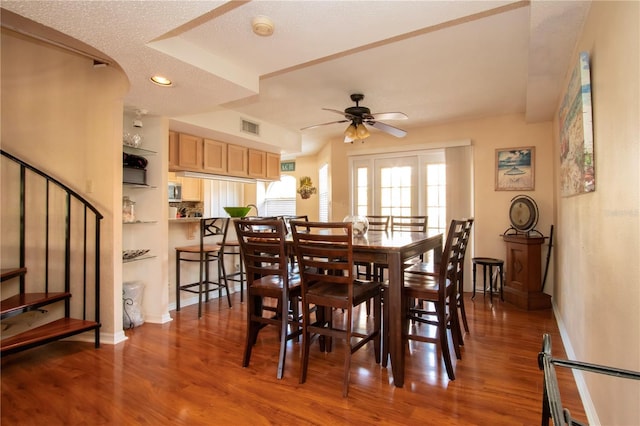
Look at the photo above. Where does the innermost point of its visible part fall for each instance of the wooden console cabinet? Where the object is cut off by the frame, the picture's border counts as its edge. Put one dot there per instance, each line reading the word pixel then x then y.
pixel 524 269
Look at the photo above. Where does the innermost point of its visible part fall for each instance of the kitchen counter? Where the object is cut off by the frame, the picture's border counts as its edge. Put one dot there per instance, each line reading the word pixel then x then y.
pixel 192 225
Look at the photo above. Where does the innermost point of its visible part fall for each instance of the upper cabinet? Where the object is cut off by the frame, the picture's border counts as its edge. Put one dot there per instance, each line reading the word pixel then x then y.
pixel 215 157
pixel 190 152
pixel 196 154
pixel 257 163
pixel 237 160
pixel 173 151
pixel 273 166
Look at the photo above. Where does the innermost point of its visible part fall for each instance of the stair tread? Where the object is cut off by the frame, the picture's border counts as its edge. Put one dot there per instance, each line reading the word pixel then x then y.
pixel 54 330
pixel 21 302
pixel 7 273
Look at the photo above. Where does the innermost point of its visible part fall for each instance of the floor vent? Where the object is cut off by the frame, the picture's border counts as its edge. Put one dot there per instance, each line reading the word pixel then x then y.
pixel 250 127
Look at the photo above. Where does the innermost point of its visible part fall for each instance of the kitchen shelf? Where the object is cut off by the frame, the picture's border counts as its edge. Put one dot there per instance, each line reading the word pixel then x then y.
pixel 139 185
pixel 137 151
pixel 135 259
pixel 139 221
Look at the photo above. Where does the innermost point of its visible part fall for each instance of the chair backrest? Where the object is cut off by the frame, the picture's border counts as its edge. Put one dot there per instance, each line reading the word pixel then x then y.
pixel 211 227
pixel 450 262
pixel 325 253
pixel 288 218
pixel 263 247
pixel 379 223
pixel 409 223
pixel 465 238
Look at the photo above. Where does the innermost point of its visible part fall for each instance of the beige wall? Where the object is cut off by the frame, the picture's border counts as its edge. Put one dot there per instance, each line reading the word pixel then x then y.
pixel 598 270
pixel 64 116
pixel 306 166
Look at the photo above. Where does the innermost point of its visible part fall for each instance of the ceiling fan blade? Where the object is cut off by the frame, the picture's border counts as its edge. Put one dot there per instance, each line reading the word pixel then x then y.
pixel 324 124
pixel 399 133
pixel 334 110
pixel 389 116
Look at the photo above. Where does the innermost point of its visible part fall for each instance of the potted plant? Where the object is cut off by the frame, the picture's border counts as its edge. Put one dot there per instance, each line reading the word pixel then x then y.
pixel 306 187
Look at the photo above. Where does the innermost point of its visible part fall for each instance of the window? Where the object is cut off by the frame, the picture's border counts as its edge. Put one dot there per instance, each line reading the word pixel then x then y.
pixel 401 185
pixel 280 197
pixel 436 190
pixel 323 193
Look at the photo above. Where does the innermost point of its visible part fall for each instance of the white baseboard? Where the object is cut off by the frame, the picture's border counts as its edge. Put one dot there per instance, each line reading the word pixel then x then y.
pixel 583 390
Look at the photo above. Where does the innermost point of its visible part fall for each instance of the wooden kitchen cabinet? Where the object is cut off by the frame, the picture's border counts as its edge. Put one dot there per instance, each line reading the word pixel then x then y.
pixel 191 189
pixel 173 151
pixel 273 166
pixel 215 157
pixel 237 160
pixel 257 163
pixel 189 152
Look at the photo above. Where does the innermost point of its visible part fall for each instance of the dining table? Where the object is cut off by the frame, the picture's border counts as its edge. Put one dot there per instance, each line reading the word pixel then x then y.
pixel 393 249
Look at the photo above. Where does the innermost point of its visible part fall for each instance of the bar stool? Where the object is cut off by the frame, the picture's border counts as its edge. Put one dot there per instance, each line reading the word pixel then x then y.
pixel 204 254
pixel 489 262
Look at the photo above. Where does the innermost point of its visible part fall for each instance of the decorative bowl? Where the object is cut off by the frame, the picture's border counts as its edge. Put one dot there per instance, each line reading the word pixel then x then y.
pixel 237 211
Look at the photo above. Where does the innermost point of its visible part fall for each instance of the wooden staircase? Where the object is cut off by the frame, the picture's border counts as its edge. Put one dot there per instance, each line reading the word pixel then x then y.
pixel 78 269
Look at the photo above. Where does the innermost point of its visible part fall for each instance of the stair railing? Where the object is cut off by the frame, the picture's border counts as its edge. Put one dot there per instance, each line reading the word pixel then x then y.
pixel 89 217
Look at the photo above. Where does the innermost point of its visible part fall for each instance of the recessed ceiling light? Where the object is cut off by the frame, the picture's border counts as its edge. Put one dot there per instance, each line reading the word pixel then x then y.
pixel 161 81
pixel 262 25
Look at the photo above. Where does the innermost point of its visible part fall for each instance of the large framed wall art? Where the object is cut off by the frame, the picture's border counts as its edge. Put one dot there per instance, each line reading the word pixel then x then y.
pixel 577 162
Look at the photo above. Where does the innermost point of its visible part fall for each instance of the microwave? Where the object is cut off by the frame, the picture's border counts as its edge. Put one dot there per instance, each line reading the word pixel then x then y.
pixel 175 192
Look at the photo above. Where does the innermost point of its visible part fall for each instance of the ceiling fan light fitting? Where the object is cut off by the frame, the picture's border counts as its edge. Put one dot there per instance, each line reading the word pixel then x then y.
pixel 362 132
pixel 351 132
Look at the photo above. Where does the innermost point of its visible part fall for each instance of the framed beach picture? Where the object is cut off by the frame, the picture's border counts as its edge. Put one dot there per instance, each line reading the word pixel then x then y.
pixel 577 162
pixel 515 169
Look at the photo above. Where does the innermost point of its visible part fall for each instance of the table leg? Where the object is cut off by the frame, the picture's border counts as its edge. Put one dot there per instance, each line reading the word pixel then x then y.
pixel 474 281
pixel 394 303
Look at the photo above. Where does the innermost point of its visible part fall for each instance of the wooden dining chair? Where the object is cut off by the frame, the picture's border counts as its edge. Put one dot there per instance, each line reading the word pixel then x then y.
pixel 269 282
pixel 377 223
pixel 426 268
pixel 409 223
pixel 403 224
pixel 213 234
pixel 325 256
pixel 440 291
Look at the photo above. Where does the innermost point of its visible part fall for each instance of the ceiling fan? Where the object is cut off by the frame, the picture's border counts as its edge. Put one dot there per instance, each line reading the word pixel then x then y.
pixel 359 116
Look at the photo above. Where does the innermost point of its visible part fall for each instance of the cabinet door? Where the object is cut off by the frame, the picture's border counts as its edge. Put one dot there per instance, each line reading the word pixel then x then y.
pixel 190 152
pixel 173 151
pixel 215 156
pixel 273 166
pixel 257 163
pixel 237 160
pixel 191 189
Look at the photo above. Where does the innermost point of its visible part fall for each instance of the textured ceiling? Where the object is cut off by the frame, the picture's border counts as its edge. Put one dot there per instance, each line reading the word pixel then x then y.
pixel 436 61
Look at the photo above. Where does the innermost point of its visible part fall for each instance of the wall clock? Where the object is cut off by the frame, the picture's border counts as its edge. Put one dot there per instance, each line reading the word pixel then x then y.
pixel 523 213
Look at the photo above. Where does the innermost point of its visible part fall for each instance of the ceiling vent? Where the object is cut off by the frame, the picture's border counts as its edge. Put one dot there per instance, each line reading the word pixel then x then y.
pixel 250 127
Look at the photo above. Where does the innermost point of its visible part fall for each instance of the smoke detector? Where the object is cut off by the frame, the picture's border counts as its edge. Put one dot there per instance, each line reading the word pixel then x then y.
pixel 262 26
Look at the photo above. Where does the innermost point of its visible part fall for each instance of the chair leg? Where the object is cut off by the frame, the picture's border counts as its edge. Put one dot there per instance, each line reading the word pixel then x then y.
pixel 377 320
pixel 347 355
pixel 460 303
pixel 283 336
pixel 177 281
pixel 385 333
pixel 444 342
pixel 222 275
pixel 252 328
pixel 306 340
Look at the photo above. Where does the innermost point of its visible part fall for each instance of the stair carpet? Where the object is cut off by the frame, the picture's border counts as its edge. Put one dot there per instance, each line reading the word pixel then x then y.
pixel 25 302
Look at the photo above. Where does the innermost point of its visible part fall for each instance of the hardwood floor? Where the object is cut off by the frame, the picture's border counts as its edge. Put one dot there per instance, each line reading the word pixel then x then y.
pixel 189 371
